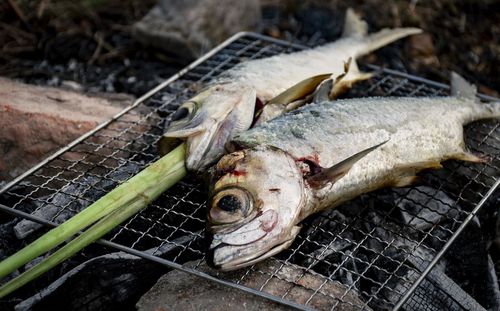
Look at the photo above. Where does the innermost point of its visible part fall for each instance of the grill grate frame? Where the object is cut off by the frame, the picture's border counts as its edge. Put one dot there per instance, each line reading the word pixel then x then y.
pixel 118 149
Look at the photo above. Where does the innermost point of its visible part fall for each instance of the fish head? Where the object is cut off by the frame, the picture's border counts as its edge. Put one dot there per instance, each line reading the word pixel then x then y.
pixel 256 198
pixel 207 121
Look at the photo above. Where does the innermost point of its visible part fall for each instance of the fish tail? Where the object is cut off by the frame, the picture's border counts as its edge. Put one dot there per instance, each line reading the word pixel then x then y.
pixel 355 27
pixel 386 36
pixel 490 111
pixel 464 90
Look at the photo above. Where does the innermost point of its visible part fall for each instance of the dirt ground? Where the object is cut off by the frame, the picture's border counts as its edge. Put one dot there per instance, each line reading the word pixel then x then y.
pixel 89 41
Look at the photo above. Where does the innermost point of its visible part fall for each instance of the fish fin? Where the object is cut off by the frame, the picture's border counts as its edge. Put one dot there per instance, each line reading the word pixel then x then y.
pixel 461 88
pixel 405 181
pixel 386 36
pixel 289 99
pixel 351 75
pixel 337 171
pixel 299 90
pixel 323 92
pixel 470 157
pixel 184 132
pixel 413 168
pixel 354 25
pixel 405 174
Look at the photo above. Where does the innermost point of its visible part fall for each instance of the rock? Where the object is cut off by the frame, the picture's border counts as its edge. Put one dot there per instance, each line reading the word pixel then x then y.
pixel 421 50
pixel 190 28
pixel 181 291
pixel 36 121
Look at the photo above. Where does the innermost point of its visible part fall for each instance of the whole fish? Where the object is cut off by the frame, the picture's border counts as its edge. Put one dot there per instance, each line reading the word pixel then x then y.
pixel 324 154
pixel 231 103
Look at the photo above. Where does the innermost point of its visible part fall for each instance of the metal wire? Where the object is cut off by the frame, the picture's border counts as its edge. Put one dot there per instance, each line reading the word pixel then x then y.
pixel 371 253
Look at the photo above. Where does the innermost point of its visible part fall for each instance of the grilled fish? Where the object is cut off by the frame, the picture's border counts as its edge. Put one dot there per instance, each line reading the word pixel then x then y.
pixel 230 104
pixel 324 154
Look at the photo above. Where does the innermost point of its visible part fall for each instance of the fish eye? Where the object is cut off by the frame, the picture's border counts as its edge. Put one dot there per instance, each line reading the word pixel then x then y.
pixel 230 205
pixel 186 110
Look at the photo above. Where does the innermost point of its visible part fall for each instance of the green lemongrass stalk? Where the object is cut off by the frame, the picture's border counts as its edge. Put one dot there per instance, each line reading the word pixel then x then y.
pixel 92 234
pixel 126 199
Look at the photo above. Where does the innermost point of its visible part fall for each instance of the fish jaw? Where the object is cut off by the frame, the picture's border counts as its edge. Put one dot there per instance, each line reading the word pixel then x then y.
pixel 266 192
pixel 221 112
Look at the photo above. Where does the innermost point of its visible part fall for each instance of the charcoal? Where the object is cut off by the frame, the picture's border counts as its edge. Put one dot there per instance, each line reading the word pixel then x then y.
pixel 423 206
pixel 72 198
pixel 112 281
pixel 493 300
pixel 445 289
pixel 471 268
pixel 335 246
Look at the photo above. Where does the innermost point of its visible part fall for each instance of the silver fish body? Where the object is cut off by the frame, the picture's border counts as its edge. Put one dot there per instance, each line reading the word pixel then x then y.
pixel 324 154
pixel 227 106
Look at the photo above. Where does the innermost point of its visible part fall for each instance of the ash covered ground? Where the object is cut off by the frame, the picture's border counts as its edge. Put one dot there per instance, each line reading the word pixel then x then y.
pixel 89 42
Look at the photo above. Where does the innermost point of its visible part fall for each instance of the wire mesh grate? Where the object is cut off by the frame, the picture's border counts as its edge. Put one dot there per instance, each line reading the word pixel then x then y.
pixel 365 254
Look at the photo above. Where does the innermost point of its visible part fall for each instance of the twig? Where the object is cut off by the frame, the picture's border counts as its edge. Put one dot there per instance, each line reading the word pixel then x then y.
pixel 19 12
pixel 97 51
pixel 41 8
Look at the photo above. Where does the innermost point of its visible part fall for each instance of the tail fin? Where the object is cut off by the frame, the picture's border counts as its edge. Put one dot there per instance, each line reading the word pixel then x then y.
pixel 462 89
pixel 354 26
pixel 386 36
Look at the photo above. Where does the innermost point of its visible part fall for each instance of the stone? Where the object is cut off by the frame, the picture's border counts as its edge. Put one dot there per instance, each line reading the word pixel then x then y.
pixel 36 121
pixel 420 49
pixel 189 28
pixel 178 290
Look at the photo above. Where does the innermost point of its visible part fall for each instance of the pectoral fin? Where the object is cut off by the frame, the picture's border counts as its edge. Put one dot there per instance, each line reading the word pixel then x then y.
pixel 299 90
pixel 323 92
pixel 334 173
pixel 290 99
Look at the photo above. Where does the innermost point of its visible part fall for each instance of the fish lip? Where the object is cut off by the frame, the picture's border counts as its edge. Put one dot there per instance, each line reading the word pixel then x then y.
pixel 241 262
pixel 227 228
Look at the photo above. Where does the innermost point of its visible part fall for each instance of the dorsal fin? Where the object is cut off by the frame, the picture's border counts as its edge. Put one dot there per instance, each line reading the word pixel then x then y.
pixel 337 171
pixel 353 25
pixel 461 88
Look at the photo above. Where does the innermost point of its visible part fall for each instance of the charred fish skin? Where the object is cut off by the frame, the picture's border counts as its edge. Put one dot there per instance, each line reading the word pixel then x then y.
pixel 341 150
pixel 206 129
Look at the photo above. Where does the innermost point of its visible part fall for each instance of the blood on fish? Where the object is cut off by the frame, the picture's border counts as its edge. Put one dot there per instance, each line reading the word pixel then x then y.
pixel 238 173
pixel 310 158
pixel 312 164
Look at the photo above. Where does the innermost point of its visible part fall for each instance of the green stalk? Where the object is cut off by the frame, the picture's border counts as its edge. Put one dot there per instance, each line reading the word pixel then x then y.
pixel 122 202
pixel 95 232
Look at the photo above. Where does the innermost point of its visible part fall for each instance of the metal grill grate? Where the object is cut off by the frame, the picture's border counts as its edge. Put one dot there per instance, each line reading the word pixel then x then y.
pixel 369 252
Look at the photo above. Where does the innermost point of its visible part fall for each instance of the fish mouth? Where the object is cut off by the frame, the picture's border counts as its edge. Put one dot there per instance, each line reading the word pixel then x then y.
pixel 240 262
